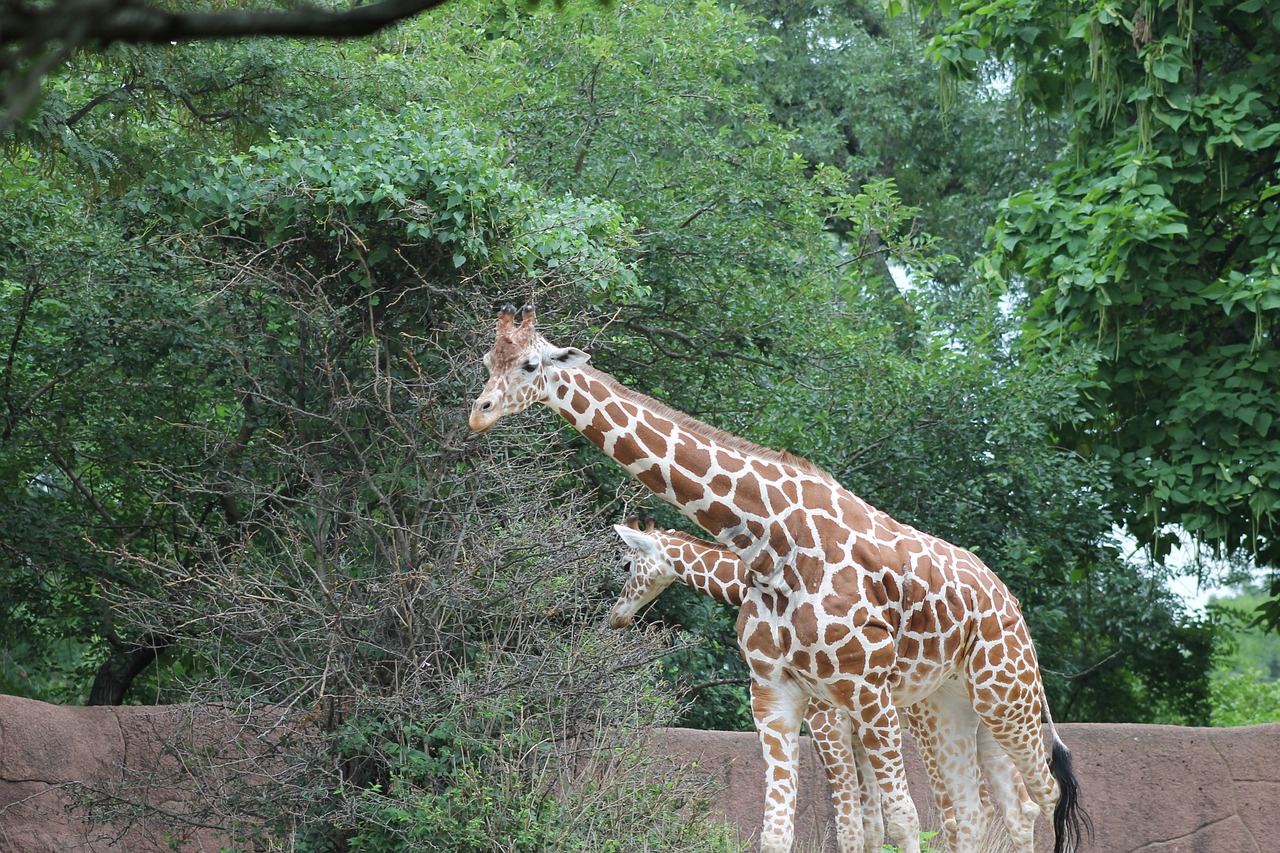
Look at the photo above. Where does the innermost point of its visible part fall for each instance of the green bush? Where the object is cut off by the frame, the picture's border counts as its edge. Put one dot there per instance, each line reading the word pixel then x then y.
pixel 1244 698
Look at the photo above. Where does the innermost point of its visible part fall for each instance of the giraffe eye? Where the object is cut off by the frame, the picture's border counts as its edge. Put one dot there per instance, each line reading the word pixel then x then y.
pixel 531 365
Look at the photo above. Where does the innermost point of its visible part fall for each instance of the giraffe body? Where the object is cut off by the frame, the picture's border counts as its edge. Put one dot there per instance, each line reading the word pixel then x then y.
pixel 838 586
pixel 950 737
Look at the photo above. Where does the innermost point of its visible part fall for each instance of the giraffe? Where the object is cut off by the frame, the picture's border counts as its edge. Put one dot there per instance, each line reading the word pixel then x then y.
pixel 658 558
pixel 847 604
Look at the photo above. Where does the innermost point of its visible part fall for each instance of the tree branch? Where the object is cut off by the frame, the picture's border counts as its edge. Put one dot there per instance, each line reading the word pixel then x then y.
pixel 138 23
pixel 719 682
pixel 35 39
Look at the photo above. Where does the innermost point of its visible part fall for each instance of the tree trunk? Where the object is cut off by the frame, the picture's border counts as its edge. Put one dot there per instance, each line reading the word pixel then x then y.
pixel 117 673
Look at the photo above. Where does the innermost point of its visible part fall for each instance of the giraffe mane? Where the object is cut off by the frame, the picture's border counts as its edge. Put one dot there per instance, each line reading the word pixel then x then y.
pixel 682 536
pixel 704 429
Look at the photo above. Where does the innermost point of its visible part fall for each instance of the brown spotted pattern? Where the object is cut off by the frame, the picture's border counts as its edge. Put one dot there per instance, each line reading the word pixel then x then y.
pixel 838 587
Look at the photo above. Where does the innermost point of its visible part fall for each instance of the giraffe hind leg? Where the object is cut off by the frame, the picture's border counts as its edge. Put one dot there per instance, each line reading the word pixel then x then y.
pixel 920 720
pixel 877 726
pixel 947 729
pixel 1009 795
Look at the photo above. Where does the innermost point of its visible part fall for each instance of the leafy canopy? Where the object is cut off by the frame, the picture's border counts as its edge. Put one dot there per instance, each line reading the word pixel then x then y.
pixel 1157 243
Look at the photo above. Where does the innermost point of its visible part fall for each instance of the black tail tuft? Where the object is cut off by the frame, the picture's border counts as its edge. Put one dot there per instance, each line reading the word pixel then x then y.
pixel 1070 822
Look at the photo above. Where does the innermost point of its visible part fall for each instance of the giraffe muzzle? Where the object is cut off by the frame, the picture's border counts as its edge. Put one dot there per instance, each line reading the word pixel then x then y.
pixel 619 620
pixel 484 414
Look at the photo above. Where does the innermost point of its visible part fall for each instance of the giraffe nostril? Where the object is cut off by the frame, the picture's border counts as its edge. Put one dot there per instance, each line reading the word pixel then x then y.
pixel 486 405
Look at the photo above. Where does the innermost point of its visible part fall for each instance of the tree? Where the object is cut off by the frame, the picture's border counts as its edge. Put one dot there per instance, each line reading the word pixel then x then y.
pixel 1251 649
pixel 100 433
pixel 402 616
pixel 95 384
pixel 855 87
pixel 1245 689
pixel 1154 245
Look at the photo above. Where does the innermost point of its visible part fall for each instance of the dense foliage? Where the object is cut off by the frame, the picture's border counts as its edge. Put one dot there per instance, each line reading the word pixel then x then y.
pixel 1246 681
pixel 1155 243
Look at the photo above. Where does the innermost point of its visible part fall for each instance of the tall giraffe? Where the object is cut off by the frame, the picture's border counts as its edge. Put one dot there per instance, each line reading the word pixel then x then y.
pixel 847 604
pixel 947 733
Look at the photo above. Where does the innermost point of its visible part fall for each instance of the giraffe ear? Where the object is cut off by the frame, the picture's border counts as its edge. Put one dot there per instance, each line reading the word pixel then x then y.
pixel 566 357
pixel 636 540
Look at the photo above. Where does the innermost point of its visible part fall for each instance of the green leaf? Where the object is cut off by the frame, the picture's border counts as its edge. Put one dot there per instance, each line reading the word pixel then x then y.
pixel 1166 69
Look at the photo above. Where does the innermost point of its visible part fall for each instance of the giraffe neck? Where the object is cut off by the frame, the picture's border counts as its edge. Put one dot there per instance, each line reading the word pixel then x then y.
pixel 712 571
pixel 711 477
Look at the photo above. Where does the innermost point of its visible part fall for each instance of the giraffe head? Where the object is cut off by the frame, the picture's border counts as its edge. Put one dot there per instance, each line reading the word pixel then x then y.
pixel 522 368
pixel 649 572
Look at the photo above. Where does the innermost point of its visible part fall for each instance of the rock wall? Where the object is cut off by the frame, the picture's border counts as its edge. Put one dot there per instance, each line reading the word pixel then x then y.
pixel 48 753
pixel 1149 789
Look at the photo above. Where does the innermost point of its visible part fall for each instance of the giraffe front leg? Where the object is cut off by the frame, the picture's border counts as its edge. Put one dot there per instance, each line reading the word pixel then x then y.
pixel 876 724
pixel 872 805
pixel 777 709
pixel 831 736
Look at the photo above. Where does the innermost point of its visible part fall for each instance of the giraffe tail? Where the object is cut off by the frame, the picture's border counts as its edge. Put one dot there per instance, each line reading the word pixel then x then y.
pixel 1071 823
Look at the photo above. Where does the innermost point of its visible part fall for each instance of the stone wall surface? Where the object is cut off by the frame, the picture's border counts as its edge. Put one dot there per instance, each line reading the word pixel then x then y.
pixel 1149 789
pixel 51 754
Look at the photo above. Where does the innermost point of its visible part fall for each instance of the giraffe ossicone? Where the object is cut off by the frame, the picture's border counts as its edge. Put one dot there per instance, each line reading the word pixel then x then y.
pixel 861 611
